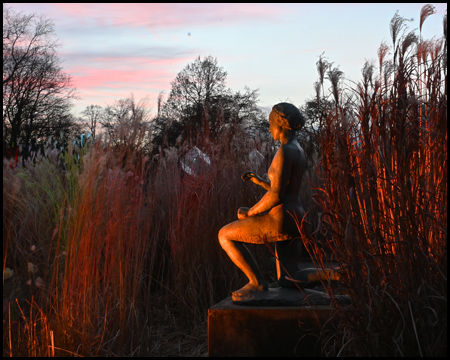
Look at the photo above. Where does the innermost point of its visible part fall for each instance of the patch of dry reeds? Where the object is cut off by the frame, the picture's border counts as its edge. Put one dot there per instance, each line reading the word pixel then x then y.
pixel 384 201
pixel 104 257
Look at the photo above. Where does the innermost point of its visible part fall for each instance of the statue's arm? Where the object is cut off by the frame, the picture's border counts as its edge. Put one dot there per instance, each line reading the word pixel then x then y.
pixel 256 179
pixel 279 180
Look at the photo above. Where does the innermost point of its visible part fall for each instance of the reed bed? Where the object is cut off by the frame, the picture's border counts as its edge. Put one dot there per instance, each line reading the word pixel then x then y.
pixel 109 252
pixel 384 199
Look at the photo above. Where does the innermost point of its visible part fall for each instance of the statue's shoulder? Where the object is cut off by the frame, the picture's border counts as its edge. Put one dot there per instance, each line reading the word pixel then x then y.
pixel 292 148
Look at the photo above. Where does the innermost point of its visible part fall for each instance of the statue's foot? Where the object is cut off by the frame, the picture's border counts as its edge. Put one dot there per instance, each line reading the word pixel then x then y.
pixel 249 291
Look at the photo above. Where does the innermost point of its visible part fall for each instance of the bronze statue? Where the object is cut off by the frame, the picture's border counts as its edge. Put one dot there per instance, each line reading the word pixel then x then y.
pixel 272 218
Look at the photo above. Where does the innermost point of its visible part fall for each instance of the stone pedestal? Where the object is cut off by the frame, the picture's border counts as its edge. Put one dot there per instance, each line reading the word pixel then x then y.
pixel 271 326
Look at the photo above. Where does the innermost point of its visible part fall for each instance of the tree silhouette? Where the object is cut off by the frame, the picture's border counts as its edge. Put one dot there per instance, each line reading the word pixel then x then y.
pixel 92 116
pixel 36 92
pixel 199 103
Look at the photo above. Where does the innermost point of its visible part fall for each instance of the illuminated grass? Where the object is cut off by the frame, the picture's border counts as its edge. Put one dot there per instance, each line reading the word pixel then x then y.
pixel 384 202
pixel 124 245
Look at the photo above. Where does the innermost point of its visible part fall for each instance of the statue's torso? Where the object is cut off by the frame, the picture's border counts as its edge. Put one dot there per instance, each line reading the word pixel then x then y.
pixel 290 206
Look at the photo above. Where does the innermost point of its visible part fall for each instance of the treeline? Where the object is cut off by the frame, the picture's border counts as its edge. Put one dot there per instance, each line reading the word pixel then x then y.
pixel 37 96
pixel 199 107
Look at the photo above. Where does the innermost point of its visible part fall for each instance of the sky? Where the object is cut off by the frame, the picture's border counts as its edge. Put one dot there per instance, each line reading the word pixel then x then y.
pixel 113 50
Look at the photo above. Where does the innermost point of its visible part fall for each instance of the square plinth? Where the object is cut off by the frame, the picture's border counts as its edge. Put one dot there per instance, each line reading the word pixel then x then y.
pixel 242 330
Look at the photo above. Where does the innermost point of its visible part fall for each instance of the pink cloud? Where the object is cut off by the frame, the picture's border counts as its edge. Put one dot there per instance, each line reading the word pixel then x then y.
pixel 108 71
pixel 140 61
pixel 168 15
pixel 112 78
pixel 86 77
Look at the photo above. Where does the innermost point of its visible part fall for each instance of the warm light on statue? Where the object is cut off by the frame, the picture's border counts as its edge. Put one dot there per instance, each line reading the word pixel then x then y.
pixel 273 217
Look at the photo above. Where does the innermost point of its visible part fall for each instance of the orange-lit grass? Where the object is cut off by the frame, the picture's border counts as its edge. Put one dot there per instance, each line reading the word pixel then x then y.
pixel 384 200
pixel 107 244
pixel 128 244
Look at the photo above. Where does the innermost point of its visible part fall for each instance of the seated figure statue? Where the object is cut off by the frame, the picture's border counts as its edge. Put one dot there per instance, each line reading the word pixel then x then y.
pixel 273 217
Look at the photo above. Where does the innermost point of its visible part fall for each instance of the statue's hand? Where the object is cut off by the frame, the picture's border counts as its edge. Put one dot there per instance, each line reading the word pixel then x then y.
pixel 248 175
pixel 242 213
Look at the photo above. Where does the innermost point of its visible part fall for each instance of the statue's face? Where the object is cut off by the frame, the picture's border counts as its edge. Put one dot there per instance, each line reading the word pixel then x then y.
pixel 274 128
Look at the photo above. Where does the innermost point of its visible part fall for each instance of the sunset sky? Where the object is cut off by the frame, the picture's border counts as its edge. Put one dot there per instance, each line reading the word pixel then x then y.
pixel 113 50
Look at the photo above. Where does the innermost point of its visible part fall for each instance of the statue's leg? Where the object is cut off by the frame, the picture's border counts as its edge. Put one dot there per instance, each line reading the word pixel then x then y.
pixel 243 259
pixel 286 258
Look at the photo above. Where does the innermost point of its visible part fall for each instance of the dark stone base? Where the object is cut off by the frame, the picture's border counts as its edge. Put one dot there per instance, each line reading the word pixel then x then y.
pixel 282 322
pixel 284 297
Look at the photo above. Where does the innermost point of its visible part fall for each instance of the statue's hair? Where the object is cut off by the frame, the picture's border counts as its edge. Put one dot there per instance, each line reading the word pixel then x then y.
pixel 288 116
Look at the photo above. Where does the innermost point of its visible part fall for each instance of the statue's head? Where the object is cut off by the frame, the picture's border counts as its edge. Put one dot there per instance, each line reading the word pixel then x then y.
pixel 288 116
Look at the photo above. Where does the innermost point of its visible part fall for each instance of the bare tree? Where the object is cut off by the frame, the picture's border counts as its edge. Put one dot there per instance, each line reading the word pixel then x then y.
pixel 92 115
pixel 197 83
pixel 36 91
pixel 127 122
pixel 200 103
pixel 19 41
